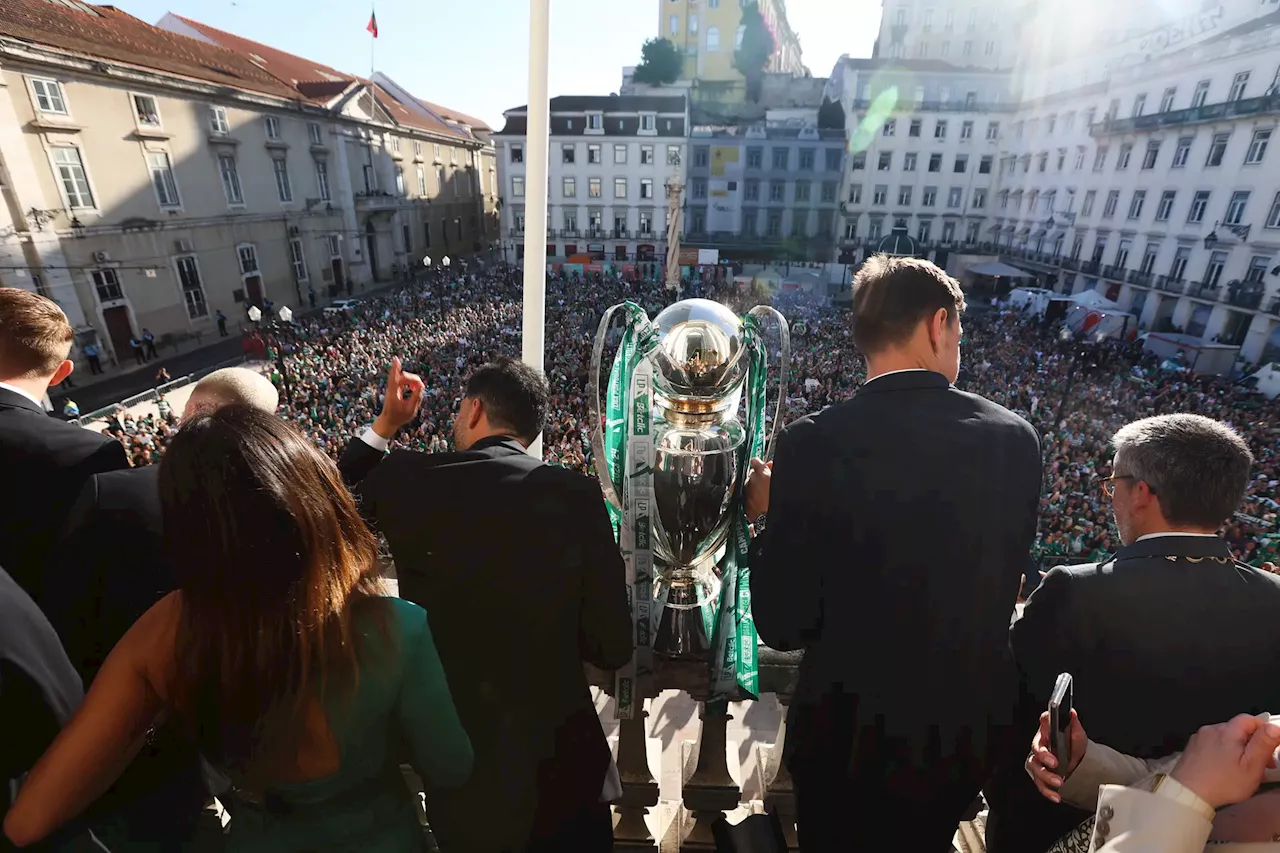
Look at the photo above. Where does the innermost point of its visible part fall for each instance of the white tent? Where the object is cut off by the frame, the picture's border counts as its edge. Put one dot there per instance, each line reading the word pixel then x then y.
pixel 1094 299
pixel 1268 379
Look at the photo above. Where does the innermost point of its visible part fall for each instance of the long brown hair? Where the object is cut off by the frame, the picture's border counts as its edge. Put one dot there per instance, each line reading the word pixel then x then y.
pixel 271 554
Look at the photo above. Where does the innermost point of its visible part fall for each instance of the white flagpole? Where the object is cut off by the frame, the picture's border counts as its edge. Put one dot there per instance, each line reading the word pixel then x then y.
pixel 535 244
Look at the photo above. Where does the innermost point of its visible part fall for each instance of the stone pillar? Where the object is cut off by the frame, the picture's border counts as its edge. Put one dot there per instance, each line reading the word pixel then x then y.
pixel 639 788
pixel 710 791
pixel 779 796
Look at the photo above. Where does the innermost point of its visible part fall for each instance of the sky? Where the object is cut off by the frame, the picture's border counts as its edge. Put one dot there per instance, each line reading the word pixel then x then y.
pixel 472 55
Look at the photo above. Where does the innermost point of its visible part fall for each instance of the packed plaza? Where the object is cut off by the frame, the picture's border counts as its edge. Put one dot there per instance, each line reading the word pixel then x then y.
pixel 447 326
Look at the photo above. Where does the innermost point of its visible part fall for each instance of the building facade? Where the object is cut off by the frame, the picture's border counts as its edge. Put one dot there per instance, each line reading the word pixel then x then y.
pixel 924 147
pixel 610 160
pixel 154 176
pixel 1149 173
pixel 963 32
pixel 707 33
pixel 761 192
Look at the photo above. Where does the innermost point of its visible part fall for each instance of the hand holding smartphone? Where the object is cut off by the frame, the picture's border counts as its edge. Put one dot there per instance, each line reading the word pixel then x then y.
pixel 1060 703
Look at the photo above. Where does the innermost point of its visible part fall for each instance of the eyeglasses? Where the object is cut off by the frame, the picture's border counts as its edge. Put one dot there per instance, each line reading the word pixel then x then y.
pixel 1109 484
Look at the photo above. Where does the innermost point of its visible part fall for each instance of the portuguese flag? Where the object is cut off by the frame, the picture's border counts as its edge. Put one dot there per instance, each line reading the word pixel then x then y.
pixel 373 23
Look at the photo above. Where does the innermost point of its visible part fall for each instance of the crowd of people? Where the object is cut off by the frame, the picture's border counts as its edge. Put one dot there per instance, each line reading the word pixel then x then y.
pixel 334 363
pixel 215 631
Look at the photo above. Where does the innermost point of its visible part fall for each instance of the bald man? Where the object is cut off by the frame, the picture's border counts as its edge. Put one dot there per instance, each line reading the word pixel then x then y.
pixel 108 569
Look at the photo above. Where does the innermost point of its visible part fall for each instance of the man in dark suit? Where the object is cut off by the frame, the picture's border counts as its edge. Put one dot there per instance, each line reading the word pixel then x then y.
pixel 895 539
pixel 39 690
pixel 44 461
pixel 1168 635
pixel 108 569
pixel 517 568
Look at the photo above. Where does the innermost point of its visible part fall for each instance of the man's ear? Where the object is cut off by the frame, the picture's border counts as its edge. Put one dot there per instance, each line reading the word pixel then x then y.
pixel 63 371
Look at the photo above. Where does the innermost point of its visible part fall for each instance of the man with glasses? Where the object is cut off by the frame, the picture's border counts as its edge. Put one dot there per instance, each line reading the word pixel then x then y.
pixel 1167 635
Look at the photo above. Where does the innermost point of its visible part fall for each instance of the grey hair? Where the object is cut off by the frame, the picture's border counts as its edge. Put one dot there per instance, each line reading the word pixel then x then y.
pixel 234 386
pixel 1197 467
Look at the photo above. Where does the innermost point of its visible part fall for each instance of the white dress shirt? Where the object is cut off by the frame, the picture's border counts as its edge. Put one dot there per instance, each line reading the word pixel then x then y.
pixel 15 389
pixel 374 440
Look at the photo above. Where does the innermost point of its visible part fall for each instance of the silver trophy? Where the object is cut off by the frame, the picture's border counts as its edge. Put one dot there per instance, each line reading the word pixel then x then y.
pixel 701 362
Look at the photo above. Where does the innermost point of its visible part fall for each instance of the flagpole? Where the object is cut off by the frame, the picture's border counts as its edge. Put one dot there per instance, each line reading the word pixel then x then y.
pixel 373 42
pixel 535 243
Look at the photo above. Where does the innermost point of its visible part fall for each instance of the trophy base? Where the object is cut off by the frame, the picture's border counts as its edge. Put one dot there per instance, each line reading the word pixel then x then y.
pixel 681 632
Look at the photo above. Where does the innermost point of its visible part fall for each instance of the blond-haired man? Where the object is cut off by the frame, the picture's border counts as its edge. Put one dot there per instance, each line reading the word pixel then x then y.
pixel 44 461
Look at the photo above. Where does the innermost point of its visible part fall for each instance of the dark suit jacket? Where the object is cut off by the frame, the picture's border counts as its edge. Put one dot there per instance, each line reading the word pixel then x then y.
pixel 45 462
pixel 39 689
pixel 899 527
pixel 516 564
pixel 109 569
pixel 1169 635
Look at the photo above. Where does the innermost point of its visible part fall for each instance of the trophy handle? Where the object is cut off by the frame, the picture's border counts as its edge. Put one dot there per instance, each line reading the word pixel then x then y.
pixel 784 376
pixel 594 401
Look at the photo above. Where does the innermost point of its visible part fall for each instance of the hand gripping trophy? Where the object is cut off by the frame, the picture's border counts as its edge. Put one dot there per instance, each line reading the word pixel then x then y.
pixel 685 416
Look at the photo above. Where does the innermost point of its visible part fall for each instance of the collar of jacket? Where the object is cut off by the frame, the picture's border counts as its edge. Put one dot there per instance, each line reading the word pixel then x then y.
pixel 499 441
pixel 18 401
pixel 1175 547
pixel 905 380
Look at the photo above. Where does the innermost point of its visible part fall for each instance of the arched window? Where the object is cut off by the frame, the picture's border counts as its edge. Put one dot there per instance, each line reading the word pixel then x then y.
pixel 742 30
pixel 713 38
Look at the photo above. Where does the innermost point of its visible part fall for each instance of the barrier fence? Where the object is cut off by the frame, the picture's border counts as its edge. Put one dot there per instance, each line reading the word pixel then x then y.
pixel 153 394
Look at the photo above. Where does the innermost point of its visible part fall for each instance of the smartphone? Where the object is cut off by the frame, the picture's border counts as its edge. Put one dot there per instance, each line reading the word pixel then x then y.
pixel 1060 721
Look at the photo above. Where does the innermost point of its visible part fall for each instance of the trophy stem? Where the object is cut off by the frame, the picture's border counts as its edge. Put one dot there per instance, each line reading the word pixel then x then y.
pixel 681 631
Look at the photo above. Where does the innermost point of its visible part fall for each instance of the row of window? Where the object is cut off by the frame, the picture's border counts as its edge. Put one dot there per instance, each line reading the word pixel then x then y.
pixel 595 154
pixel 915 127
pixel 897 51
pixel 1210 278
pixel 1254 154
pixel 911 162
pixel 901 18
pixel 928 196
pixel 803 190
pixel 924 231
pixel 1168 102
pixel 595 223
pixel 1237 205
pixel 51 99
pixel 595 186
pixel 780 158
pixel 711 39
pixel 772 223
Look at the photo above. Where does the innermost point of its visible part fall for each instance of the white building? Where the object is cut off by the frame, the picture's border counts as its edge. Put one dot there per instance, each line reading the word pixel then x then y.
pixel 1134 157
pixel 1149 169
pixel 923 147
pixel 963 32
pixel 610 159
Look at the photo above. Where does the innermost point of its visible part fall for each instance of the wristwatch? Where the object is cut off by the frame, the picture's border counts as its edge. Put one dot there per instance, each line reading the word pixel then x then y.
pixel 759 523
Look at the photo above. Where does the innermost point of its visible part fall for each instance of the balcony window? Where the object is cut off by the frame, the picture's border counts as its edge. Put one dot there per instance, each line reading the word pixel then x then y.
pixel 1199 203
pixel 646 155
pixel 1165 210
pixel 904 196
pixel 1135 205
pixel 1235 208
pixel 1257 147
pixel 1122 162
pixel 886 161
pixel 979 199
pixel 1238 85
pixel 909 162
pixel 954 197
pixel 940 129
pixel 777 191
pixel 880 196
pixel 935 162
pixel 1109 209
pixel 834 157
pixel 1201 94
pixel 1179 266
pixel 646 188
pixel 1139 104
pixel 1213 270
pixel 855 197
pixel 751 190
pixel 755 158
pixel 858 161
pixel 594 157
pixel 1153 154
pixel 1182 152
pixel 929 197
pixel 913 130
pixel 1257 269
pixel 1273 215
pixel 1100 158
pixel 993 131
pixel 806 159
pixel 890 127
pixel 961 164
pixel 1217 149
pixel 781 157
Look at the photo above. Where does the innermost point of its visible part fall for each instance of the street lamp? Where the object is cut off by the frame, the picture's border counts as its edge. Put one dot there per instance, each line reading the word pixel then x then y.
pixel 286 316
pixel 445 261
pixel 255 313
pixel 1211 239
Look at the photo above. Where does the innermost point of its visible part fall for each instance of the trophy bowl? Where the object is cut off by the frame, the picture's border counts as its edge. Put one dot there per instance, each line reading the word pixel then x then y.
pixel 699 359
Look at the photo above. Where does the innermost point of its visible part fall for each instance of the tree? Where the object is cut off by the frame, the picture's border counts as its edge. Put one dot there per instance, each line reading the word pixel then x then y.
pixel 831 115
pixel 660 63
pixel 753 54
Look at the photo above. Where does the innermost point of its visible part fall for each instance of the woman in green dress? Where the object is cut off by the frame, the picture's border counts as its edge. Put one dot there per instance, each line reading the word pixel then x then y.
pixel 300 681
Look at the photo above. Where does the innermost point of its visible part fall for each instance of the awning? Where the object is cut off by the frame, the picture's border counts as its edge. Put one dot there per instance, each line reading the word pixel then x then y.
pixel 1040 232
pixel 1024 232
pixel 993 228
pixel 999 270
pixel 1009 229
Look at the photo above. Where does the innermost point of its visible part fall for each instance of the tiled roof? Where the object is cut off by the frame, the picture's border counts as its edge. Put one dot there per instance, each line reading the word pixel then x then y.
pixel 107 33
pixel 454 115
pixel 317 81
